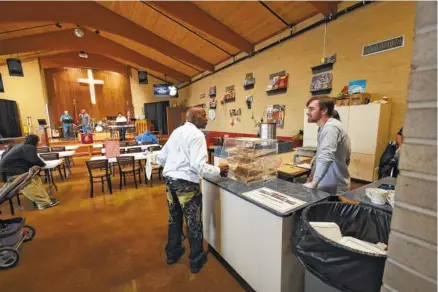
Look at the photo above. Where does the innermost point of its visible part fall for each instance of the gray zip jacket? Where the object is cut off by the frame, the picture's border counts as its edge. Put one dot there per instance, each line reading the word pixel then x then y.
pixel 332 158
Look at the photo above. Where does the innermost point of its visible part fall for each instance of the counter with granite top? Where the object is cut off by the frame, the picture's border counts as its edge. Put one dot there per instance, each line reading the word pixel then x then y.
pixel 253 238
pixel 293 190
pixel 360 196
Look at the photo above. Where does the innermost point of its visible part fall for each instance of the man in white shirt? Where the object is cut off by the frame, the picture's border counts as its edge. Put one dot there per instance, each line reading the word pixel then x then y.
pixel 330 173
pixel 184 158
pixel 121 120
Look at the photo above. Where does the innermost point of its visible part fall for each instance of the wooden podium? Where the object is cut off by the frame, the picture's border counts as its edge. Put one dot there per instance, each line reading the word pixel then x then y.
pixel 44 137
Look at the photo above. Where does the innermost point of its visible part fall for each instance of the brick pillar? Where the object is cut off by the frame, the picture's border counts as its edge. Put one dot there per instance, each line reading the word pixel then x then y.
pixel 412 251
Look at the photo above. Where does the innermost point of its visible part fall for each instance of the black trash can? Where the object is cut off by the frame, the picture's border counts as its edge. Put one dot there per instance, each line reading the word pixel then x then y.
pixel 337 265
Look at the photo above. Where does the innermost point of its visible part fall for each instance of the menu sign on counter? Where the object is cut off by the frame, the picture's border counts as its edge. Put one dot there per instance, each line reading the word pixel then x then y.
pixel 274 200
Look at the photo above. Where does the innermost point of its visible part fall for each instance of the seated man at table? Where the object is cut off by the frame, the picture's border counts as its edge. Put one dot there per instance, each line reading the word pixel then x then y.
pixel 184 158
pixel 146 137
pixel 333 150
pixel 18 160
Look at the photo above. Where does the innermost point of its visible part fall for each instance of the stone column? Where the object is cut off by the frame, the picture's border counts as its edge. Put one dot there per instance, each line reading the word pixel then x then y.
pixel 412 251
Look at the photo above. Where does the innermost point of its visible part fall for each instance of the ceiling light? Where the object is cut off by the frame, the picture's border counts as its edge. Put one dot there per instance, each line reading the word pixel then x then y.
pixel 97 31
pixel 58 25
pixel 78 32
pixel 82 54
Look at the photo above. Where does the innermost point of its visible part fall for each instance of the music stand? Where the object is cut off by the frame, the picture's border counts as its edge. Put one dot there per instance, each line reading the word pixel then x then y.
pixel 69 132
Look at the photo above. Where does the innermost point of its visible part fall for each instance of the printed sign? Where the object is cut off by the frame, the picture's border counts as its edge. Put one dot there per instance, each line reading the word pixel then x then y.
pixel 274 200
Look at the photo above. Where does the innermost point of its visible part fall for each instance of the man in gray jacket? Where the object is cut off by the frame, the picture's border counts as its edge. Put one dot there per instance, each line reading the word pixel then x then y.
pixel 330 172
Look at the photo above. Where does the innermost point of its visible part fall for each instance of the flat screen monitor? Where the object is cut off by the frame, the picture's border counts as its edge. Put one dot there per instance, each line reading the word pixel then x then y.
pixel 165 90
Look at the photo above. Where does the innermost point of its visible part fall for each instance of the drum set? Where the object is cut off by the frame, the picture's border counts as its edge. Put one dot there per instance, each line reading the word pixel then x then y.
pixel 98 126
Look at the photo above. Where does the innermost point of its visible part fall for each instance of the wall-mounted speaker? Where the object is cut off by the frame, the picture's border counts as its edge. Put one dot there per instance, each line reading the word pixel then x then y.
pixel 142 77
pixel 2 89
pixel 14 67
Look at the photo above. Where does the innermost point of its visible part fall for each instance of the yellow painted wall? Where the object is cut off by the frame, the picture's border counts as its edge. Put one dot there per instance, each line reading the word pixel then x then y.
pixel 144 93
pixel 27 91
pixel 386 73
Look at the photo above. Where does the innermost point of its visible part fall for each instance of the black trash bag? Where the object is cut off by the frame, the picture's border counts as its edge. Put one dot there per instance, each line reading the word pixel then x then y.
pixel 335 264
pixel 388 165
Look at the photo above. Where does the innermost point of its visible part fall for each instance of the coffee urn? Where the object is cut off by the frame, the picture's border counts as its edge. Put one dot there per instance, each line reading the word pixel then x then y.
pixel 268 130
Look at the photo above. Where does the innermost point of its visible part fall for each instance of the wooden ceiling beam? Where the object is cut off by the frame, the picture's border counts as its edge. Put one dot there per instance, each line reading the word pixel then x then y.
pixel 72 59
pixel 325 7
pixel 195 16
pixel 89 13
pixel 65 40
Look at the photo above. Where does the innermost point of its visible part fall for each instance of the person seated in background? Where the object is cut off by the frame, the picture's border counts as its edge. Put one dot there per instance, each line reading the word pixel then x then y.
pixel 336 115
pixel 399 141
pixel 17 160
pixel 146 137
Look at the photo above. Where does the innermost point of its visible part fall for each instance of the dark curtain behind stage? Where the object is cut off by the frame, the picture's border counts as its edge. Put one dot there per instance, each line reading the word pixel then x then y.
pixel 157 114
pixel 9 119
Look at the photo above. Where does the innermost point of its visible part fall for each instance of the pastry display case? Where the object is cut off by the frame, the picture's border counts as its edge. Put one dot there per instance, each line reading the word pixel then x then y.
pixel 251 159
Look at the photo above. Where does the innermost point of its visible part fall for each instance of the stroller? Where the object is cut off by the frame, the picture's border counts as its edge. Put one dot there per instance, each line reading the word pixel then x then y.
pixel 13 232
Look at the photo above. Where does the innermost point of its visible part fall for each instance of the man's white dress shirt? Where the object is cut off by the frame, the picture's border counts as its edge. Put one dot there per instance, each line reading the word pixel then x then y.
pixel 184 156
pixel 121 119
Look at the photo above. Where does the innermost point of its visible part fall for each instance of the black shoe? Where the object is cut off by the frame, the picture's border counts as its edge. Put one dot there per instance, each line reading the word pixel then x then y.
pixel 171 261
pixel 196 268
pixel 53 203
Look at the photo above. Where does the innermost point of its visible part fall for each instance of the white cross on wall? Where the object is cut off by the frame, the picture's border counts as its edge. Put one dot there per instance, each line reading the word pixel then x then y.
pixel 91 82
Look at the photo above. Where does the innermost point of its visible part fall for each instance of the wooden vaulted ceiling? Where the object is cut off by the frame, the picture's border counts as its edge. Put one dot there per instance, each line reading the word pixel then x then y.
pixel 172 40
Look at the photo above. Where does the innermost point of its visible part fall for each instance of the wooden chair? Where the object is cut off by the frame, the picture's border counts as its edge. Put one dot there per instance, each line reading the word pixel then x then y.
pixel 43 150
pixel 127 166
pixel 54 156
pixel 68 159
pixel 156 169
pixel 134 150
pixel 154 148
pixel 99 169
pixel 57 149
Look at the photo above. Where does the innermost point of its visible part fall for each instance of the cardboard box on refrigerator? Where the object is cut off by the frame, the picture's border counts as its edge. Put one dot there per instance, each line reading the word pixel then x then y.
pixel 359 98
pixel 342 102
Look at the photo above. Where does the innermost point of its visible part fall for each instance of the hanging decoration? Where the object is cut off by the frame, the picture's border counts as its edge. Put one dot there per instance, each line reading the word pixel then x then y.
pixel 321 83
pixel 235 113
pixel 249 81
pixel 212 91
pixel 275 114
pixel 212 114
pixel 249 101
pixel 322 76
pixel 212 104
pixel 230 95
pixel 279 83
